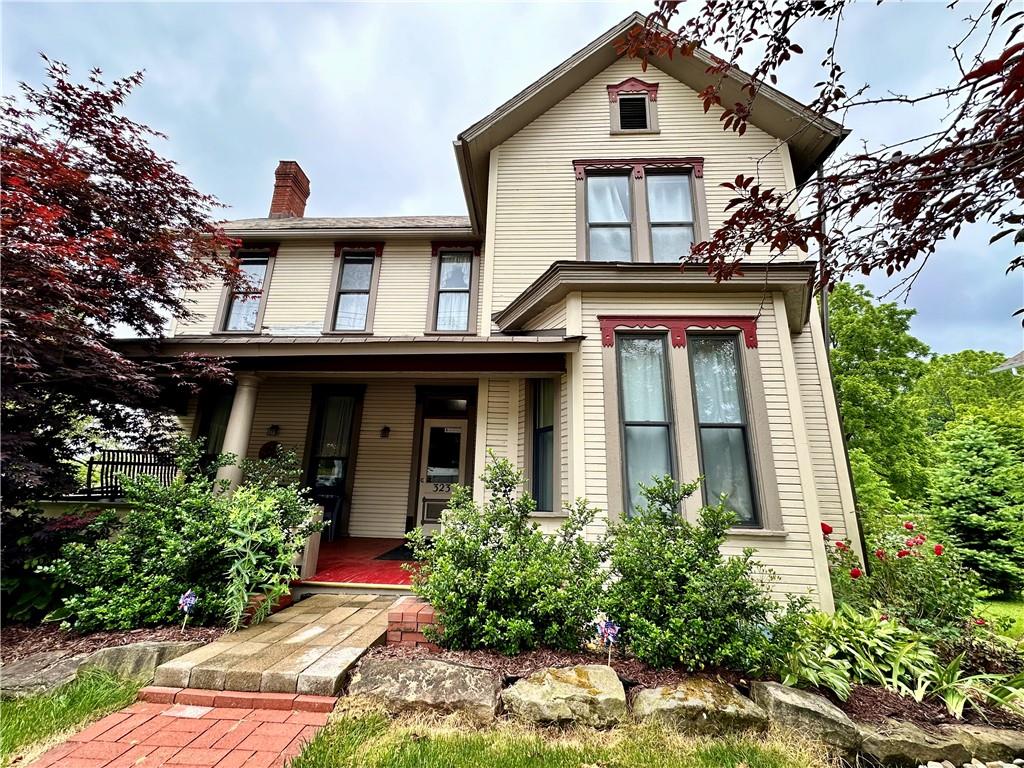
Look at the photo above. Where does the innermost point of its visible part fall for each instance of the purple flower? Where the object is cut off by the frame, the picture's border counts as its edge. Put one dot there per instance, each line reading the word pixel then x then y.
pixel 187 602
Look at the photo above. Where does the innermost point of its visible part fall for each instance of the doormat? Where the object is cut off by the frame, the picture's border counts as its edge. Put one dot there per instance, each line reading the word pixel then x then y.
pixel 401 552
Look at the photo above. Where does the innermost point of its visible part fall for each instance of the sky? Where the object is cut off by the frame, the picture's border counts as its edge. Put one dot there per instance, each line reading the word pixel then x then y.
pixel 369 96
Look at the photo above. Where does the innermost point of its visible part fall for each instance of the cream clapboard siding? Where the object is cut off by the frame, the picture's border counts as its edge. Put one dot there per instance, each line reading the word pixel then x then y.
pixel 819 437
pixel 535 211
pixel 380 496
pixel 286 403
pixel 300 291
pixel 791 557
pixel 550 318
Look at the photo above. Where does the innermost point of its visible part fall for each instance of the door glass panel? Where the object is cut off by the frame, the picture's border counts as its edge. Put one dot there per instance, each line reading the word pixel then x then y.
pixel 443 455
pixel 543 462
pixel 726 470
pixel 716 379
pixel 545 403
pixel 330 474
pixel 337 425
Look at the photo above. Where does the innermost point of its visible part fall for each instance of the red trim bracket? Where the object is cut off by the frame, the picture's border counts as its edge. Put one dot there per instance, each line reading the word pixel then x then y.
pixel 633 85
pixel 377 246
pixel 677 326
pixel 639 165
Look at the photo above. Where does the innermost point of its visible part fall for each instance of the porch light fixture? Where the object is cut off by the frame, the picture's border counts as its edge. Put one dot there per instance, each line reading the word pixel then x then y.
pixel 385 432
pixel 273 430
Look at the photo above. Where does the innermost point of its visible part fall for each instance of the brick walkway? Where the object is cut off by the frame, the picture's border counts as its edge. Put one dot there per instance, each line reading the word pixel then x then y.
pixel 252 731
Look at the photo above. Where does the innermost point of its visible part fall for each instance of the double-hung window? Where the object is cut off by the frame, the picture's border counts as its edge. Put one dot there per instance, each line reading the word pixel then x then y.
pixel 609 218
pixel 723 431
pixel 454 288
pixel 246 299
pixel 670 210
pixel 645 411
pixel 354 281
pixel 543 446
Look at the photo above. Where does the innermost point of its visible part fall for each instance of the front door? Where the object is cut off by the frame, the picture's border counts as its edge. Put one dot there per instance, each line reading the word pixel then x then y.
pixel 442 464
pixel 329 474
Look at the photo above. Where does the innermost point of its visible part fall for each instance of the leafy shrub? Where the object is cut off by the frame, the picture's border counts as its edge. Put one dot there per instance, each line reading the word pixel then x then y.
pixel 678 600
pixel 496 581
pixel 31 541
pixel 187 535
pixel 911 578
pixel 977 492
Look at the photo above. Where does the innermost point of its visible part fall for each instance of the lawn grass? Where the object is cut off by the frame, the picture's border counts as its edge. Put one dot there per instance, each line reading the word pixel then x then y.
pixel 36 720
pixel 375 741
pixel 1010 610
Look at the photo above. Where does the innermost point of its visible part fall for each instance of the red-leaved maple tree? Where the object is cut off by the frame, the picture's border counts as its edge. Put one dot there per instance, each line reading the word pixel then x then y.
pixel 99 233
pixel 888 206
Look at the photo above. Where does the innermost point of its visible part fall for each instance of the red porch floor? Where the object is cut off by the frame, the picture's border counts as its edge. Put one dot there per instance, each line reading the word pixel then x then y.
pixel 354 561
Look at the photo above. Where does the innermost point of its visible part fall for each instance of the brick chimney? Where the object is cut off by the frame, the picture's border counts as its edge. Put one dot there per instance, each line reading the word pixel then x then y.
pixel 291 190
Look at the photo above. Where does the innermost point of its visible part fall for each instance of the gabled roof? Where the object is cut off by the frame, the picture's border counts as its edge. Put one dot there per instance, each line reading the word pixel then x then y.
pixel 811 138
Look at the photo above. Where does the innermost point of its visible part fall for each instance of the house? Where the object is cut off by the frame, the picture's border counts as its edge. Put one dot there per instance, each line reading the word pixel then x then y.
pixel 552 325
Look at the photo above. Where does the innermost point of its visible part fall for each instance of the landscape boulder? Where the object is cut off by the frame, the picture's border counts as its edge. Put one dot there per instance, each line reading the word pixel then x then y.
pixel 985 743
pixel 896 743
pixel 137 660
pixel 402 685
pixel 700 705
pixel 807 713
pixel 588 694
pixel 38 673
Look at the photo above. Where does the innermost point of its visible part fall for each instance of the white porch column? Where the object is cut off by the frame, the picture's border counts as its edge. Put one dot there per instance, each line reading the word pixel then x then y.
pixel 239 426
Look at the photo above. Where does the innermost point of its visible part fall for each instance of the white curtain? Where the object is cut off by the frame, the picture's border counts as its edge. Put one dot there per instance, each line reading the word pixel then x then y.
pixel 716 379
pixel 608 199
pixel 641 359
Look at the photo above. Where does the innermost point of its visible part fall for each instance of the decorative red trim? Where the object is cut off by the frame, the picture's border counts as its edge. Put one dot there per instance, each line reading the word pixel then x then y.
pixel 436 246
pixel 377 246
pixel 633 85
pixel 677 326
pixel 640 165
pixel 255 245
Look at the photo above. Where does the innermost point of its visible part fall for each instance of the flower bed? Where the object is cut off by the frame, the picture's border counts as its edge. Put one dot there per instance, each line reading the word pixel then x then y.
pixel 22 640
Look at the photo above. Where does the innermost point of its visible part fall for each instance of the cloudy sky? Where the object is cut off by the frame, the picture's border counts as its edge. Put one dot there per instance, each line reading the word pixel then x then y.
pixel 368 97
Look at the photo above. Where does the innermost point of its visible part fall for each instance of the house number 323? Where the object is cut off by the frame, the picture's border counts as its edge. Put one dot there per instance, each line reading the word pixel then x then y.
pixel 442 487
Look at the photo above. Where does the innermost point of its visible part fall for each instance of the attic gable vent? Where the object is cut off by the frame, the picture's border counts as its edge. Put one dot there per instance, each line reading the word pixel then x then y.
pixel 633 113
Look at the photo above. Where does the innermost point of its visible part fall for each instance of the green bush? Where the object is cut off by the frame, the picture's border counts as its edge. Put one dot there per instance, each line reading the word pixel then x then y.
pixel 31 541
pixel 912 578
pixel 496 581
pixel 187 535
pixel 678 599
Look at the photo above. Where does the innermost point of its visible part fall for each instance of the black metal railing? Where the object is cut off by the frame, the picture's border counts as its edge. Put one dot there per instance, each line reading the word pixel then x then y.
pixel 106 467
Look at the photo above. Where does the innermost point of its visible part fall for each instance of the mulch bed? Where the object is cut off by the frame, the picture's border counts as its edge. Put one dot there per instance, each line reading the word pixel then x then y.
pixel 870 704
pixel 867 704
pixel 20 640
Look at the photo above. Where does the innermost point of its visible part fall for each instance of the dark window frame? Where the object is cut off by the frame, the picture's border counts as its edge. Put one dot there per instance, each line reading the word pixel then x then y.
pixel 341 251
pixel 438 251
pixel 667 394
pixel 757 522
pixel 266 252
pixel 532 405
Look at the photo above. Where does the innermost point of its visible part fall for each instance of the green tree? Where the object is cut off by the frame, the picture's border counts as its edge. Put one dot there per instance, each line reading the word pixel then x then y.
pixel 876 362
pixel 960 384
pixel 978 495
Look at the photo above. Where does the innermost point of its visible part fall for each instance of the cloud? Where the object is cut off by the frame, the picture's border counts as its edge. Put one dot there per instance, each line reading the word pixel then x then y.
pixel 368 97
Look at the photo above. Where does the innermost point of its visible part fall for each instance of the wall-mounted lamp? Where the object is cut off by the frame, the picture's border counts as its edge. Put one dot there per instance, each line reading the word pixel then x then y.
pixel 273 430
pixel 385 432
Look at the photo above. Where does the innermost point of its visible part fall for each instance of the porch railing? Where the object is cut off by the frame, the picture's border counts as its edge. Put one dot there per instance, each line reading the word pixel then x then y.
pixel 106 467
